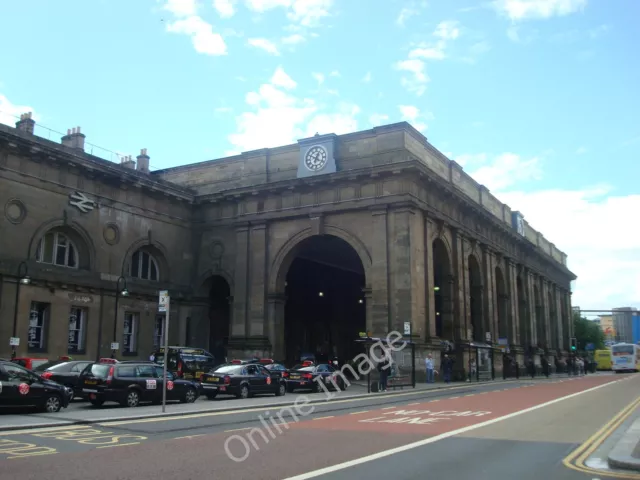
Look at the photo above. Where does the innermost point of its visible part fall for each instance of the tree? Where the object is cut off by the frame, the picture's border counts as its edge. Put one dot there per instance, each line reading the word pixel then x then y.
pixel 587 331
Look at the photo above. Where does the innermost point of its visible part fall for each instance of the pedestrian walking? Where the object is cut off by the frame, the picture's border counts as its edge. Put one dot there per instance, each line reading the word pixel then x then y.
pixel 447 367
pixel 545 366
pixel 383 368
pixel 473 370
pixel 429 368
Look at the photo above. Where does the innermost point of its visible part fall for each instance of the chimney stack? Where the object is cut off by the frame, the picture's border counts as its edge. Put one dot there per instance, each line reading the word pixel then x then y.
pixel 74 139
pixel 128 162
pixel 26 124
pixel 143 161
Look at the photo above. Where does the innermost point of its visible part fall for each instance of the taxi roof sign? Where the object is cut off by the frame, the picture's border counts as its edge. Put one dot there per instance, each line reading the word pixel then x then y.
pixel 108 360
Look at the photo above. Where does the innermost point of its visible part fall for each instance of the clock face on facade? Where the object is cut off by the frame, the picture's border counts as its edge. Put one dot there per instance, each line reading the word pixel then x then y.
pixel 316 158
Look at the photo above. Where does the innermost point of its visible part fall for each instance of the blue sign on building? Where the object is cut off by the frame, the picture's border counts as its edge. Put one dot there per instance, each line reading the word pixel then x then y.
pixel 635 328
pixel 590 346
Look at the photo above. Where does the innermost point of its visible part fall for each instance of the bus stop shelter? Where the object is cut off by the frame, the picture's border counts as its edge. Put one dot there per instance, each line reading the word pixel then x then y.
pixel 403 365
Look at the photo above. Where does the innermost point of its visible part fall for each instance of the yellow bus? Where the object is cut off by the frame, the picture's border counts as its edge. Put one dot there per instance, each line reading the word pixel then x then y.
pixel 602 359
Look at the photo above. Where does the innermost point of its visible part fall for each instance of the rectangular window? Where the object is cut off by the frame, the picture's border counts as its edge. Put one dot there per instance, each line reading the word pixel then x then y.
pixel 38 323
pixel 130 334
pixel 158 332
pixel 77 330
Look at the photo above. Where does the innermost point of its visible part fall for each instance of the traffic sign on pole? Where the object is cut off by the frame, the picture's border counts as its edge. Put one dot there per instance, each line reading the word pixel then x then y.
pixel 164 305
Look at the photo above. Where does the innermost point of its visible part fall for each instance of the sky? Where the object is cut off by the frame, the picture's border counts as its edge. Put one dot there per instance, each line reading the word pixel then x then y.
pixel 537 99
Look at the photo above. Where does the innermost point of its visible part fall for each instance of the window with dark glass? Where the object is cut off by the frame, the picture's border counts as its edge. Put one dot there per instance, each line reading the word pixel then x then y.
pixel 38 323
pixel 55 248
pixel 77 330
pixel 144 266
pixel 130 333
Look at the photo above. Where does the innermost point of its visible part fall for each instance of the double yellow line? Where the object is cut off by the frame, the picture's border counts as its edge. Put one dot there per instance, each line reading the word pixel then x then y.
pixel 576 459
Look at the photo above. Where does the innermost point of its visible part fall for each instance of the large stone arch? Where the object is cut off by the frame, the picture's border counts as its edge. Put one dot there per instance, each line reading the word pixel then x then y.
pixel 443 280
pixel 202 279
pixel 287 253
pixel 159 251
pixel 76 233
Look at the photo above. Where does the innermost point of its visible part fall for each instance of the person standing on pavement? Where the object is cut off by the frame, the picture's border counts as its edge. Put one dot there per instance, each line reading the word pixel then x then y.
pixel 447 367
pixel 545 366
pixel 429 368
pixel 383 368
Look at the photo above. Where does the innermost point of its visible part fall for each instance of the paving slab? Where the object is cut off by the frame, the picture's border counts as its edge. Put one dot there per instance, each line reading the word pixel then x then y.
pixel 626 453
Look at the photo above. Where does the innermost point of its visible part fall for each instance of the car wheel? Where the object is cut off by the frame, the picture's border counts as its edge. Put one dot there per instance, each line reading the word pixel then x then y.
pixel 244 392
pixel 96 402
pixel 133 399
pixel 52 404
pixel 189 396
pixel 282 389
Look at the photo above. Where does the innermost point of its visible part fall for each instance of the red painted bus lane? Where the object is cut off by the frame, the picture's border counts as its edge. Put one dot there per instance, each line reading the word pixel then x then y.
pixel 441 416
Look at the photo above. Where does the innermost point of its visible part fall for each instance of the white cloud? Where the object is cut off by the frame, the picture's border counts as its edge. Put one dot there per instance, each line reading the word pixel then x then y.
pixel 225 8
pixel 537 9
pixel 378 119
pixel 506 170
pixel 411 10
pixel 367 77
pixel 581 151
pixel 449 30
pixel 417 81
pixel 293 39
pixel 264 44
pixel 306 13
pixel 181 8
pixel 10 112
pixel 278 117
pixel 335 73
pixel 319 77
pixel 281 79
pixel 411 114
pixel 429 53
pixel 202 36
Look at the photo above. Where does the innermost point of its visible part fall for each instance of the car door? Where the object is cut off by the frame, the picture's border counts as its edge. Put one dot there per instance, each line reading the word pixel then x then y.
pixel 76 370
pixel 21 386
pixel 172 391
pixel 272 380
pixel 150 383
pixel 257 380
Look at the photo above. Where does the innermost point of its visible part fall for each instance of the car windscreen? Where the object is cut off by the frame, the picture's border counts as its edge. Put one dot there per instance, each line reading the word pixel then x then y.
pixel 229 369
pixel 622 350
pixel 197 362
pixel 303 369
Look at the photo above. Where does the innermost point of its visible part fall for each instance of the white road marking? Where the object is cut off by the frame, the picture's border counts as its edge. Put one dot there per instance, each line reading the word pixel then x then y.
pixel 421 443
pixel 322 418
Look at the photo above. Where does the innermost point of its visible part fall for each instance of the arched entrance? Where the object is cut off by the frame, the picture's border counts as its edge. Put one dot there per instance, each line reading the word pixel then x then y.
pixel 443 291
pixel 502 304
pixel 325 306
pixel 219 312
pixel 475 299
pixel 525 335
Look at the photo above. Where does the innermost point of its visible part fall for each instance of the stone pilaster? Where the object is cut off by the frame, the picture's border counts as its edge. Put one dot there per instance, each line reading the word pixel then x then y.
pixel 460 299
pixel 368 305
pixel 239 325
pixel 275 324
pixel 465 301
pixel 379 321
pixel 559 319
pixel 569 318
pixel 429 284
pixel 489 295
pixel 544 300
pixel 258 269
pixel 531 307
pixel 513 314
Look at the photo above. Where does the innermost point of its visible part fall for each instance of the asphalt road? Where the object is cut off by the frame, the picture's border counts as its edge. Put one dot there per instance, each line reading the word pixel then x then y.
pixel 516 430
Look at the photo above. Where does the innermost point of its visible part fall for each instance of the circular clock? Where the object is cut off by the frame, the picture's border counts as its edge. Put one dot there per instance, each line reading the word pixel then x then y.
pixel 316 158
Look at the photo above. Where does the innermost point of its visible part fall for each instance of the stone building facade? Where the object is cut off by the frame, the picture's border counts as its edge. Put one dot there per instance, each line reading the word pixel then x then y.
pixel 437 249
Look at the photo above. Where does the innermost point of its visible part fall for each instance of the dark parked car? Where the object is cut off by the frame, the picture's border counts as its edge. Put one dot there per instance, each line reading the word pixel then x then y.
pixel 67 374
pixel 186 362
pixel 242 381
pixel 20 387
pixel 306 376
pixel 278 369
pixel 131 383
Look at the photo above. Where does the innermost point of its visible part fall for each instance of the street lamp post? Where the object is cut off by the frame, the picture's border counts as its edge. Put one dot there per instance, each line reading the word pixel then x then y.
pixel 22 279
pixel 119 292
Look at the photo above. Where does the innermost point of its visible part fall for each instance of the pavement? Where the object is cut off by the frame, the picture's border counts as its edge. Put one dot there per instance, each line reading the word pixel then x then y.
pixel 626 453
pixel 80 412
pixel 521 429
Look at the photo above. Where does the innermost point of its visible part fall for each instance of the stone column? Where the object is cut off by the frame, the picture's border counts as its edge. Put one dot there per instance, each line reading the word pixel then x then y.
pixel 545 312
pixel 489 295
pixel 429 285
pixel 368 305
pixel 275 325
pixel 512 305
pixel 569 319
pixel 258 278
pixel 380 320
pixel 559 319
pixel 460 287
pixel 531 307
pixel 239 326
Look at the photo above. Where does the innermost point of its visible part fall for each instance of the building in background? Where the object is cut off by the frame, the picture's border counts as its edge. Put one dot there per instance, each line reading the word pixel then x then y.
pixel 608 328
pixel 623 323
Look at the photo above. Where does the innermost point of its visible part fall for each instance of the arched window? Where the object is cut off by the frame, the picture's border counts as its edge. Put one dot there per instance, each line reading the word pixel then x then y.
pixel 56 248
pixel 144 266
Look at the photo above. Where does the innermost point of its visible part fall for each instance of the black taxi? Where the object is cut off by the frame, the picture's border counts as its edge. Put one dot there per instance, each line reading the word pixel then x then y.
pixel 186 362
pixel 20 387
pixel 242 380
pixel 130 383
